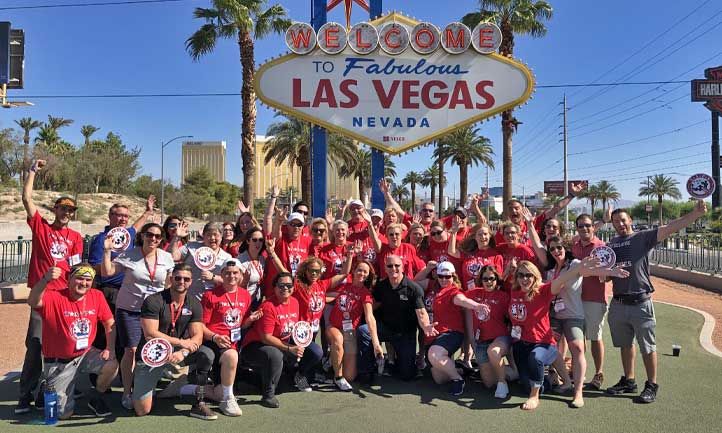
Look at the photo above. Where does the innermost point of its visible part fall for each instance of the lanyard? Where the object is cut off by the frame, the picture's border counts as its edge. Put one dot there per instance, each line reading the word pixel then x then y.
pixel 257 265
pixel 233 304
pixel 155 268
pixel 173 316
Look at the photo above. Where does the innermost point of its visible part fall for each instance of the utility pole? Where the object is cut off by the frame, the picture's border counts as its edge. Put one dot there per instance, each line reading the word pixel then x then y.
pixel 488 196
pixel 566 168
pixel 649 203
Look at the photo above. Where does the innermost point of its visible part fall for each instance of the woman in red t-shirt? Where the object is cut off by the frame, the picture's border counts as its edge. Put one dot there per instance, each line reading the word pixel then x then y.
pixel 534 345
pixel 513 251
pixel 352 302
pixel 449 323
pixel 475 251
pixel 415 236
pixel 491 331
pixel 228 242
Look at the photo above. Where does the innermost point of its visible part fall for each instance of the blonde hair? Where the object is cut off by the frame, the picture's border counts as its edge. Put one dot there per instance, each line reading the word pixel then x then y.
pixel 532 269
pixel 398 226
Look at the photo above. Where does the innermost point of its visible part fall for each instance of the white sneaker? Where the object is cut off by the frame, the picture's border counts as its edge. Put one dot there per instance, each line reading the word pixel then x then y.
pixel 502 390
pixel 229 407
pixel 343 384
pixel 127 401
pixel 301 382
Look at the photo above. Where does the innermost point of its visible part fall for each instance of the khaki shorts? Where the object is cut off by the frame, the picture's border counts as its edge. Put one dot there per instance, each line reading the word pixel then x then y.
pixel 63 377
pixel 350 343
pixel 627 322
pixel 594 314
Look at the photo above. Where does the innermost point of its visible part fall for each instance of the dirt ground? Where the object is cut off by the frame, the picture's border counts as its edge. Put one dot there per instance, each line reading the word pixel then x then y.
pixel 14 318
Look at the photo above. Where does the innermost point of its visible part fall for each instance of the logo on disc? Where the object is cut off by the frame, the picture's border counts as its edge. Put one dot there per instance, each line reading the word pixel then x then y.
pixel 205 258
pixel 120 237
pixel 156 352
pixel 607 257
pixel 700 185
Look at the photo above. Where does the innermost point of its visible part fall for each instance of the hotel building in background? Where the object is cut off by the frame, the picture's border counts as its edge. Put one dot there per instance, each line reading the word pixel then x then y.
pixel 210 154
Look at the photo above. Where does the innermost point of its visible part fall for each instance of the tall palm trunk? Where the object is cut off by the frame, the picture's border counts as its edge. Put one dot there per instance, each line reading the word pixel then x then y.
pixel 508 122
pixel 304 161
pixel 441 186
pixel 413 197
pixel 248 115
pixel 463 183
pixel 361 187
pixel 433 194
pixel 659 199
pixel 592 202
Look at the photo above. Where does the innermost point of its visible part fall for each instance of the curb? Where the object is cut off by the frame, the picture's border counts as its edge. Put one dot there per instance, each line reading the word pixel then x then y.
pixel 705 335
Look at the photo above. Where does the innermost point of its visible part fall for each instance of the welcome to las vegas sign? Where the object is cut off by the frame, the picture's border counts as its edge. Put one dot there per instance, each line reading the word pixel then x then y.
pixel 393 83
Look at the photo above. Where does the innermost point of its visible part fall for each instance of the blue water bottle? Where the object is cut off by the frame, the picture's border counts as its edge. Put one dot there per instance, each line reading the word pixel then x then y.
pixel 51 406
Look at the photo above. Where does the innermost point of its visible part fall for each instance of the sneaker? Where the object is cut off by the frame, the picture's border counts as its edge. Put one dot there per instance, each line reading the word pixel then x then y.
pixel 623 386
pixel 271 402
pixel 98 406
pixel 229 407
pixel 173 389
pixel 23 405
pixel 596 382
pixel 127 401
pixel 457 387
pixel 201 411
pixel 649 393
pixel 301 382
pixel 502 390
pixel 40 399
pixel 342 384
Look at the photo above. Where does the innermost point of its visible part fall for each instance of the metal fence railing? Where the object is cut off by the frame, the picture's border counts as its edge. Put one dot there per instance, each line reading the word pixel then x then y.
pixel 14 259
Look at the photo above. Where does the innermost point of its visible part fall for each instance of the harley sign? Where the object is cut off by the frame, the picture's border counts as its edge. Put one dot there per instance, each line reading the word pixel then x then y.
pixel 393 83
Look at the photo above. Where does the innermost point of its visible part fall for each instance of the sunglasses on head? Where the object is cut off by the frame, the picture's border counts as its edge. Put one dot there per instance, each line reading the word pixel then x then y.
pixel 179 279
pixel 524 275
pixel 285 286
pixel 153 235
pixel 584 226
pixel 393 265
pixel 443 277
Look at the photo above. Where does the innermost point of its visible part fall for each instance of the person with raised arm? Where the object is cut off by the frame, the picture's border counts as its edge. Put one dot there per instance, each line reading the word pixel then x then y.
pixel 319 231
pixel 475 251
pixel 53 245
pixel 253 263
pixel 290 245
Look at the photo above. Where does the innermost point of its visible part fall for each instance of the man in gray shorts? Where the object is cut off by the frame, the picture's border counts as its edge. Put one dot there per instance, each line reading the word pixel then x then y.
pixel 631 313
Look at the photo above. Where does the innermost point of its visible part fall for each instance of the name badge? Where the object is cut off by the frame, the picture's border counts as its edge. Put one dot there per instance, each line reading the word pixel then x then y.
pixel 74 260
pixel 81 344
pixel 516 332
pixel 470 284
pixel 403 298
pixel 347 325
pixel 186 312
pixel 235 334
pixel 559 306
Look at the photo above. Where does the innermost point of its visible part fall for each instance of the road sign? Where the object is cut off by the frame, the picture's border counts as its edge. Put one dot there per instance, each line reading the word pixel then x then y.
pixel 709 90
pixel 556 187
pixel 648 208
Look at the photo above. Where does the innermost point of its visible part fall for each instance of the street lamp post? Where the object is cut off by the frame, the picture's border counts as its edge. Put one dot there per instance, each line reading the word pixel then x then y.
pixel 162 172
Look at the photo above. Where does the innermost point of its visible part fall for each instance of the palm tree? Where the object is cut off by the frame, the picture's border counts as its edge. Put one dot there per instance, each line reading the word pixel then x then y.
pixel 27 124
pixel 592 195
pixel 87 131
pixel 660 185
pixel 607 192
pixel 413 178
pixel 244 20
pixel 466 147
pixel 290 143
pixel 441 154
pixel 400 192
pixel 59 122
pixel 522 17
pixel 431 180
pixel 360 167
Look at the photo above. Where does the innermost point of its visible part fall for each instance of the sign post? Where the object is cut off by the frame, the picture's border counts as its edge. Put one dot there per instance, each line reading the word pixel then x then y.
pixel 709 91
pixel 318 134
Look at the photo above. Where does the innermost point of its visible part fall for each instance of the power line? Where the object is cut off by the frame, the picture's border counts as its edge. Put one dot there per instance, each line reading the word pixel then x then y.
pixel 78 5
pixel 621 170
pixel 650 155
pixel 650 169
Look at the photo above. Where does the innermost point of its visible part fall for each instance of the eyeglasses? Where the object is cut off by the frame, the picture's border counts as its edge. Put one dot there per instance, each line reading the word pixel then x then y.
pixel 486 279
pixel 285 286
pixel 393 265
pixel 584 226
pixel 182 279
pixel 436 233
pixel 523 275
pixel 173 225
pixel 427 210
pixel 153 235
pixel 556 248
pixel 257 240
pixel 313 271
pixel 443 277
pixel 318 230
pixel 296 225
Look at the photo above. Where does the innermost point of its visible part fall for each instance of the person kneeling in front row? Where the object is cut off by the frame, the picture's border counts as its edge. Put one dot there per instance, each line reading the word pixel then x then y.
pixel 70 322
pixel 171 315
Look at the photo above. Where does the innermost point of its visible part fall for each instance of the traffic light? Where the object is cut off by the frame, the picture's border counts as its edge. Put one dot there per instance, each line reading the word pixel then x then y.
pixel 12 56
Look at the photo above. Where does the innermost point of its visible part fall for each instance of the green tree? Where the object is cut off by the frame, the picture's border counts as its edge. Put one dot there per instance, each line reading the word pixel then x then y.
pixel 399 191
pixel 58 122
pixel 607 193
pixel 413 178
pixel 11 155
pixel 27 124
pixel 359 167
pixel 591 193
pixel 661 186
pixel 87 131
pixel 466 147
pixel 244 21
pixel 441 154
pixel 291 144
pixel 514 17
pixel 431 180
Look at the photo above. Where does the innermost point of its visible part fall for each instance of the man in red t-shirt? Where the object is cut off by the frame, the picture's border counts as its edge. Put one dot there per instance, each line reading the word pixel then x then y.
pixel 53 245
pixel 70 321
pixel 291 247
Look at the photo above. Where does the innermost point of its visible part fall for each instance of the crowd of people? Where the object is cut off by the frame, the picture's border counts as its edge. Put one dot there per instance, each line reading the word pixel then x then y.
pixel 384 292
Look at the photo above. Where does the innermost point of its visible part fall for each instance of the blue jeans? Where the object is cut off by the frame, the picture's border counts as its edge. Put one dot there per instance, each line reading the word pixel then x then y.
pixel 404 345
pixel 531 359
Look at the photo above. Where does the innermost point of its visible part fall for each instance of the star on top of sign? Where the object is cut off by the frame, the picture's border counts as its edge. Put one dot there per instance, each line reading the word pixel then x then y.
pixel 348 4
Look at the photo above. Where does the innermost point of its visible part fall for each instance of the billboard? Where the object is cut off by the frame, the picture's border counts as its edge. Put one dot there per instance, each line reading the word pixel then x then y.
pixel 556 187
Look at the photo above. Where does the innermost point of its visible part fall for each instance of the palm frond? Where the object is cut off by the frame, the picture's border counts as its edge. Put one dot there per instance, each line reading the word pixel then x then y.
pixel 202 42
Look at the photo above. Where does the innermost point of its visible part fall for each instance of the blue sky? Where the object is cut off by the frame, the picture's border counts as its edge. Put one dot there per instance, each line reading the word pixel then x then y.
pixel 126 49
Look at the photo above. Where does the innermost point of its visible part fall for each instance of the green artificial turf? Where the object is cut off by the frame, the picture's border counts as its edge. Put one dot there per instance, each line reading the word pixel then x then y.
pixel 688 401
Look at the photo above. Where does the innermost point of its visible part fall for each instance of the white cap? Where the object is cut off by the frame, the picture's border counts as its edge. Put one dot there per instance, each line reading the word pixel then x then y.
pixel 355 202
pixel 232 263
pixel 445 268
pixel 296 216
pixel 377 213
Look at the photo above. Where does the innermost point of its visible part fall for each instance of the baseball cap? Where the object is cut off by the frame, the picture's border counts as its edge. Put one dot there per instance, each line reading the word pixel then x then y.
pixel 462 211
pixel 355 202
pixel 296 216
pixel 232 263
pixel 66 201
pixel 445 268
pixel 377 213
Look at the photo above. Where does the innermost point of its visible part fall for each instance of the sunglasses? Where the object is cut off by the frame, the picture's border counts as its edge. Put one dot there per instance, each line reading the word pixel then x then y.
pixel 296 225
pixel 523 275
pixel 437 233
pixel 182 279
pixel 443 277
pixel 556 248
pixel 153 235
pixel 318 230
pixel 302 212
pixel 584 226
pixel 257 240
pixel 393 265
pixel 486 279
pixel 285 286
pixel 173 225
pixel 313 271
